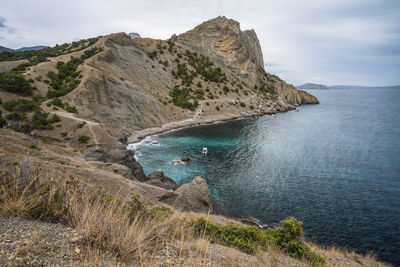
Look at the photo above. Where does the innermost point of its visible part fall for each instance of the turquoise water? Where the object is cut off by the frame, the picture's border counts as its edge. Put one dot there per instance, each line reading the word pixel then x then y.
pixel 335 166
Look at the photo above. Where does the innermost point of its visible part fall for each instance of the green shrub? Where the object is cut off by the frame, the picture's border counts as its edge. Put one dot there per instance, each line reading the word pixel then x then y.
pixel 71 109
pixel 199 84
pixel 1 101
pixel 33 146
pixel 180 97
pixel 84 139
pixel 226 89
pixel 21 105
pixel 55 118
pixel 217 108
pixel 152 55
pixel 3 122
pixel 15 83
pixel 80 125
pixel 251 107
pixel 57 102
pixel 242 104
pixel 268 89
pixel 42 121
pixel 14 116
pixel 251 239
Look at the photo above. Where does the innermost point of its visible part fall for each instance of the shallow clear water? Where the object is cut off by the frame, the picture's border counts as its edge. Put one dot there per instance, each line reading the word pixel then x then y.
pixel 335 166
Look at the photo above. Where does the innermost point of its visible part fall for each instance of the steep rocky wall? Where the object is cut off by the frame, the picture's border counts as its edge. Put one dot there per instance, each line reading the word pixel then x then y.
pixel 222 40
pixel 127 90
pixel 240 52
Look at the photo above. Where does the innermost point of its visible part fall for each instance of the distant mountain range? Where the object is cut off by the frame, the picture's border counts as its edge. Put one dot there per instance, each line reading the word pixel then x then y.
pixel 325 87
pixel 6 49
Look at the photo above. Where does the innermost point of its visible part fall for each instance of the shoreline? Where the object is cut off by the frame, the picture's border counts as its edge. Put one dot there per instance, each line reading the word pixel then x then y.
pixel 138 136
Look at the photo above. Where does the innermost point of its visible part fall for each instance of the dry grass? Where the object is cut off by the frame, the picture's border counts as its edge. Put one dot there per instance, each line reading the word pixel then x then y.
pixel 137 231
pixel 332 253
pixel 131 232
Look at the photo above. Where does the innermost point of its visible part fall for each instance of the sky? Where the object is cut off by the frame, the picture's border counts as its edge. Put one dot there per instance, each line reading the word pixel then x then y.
pixel 333 42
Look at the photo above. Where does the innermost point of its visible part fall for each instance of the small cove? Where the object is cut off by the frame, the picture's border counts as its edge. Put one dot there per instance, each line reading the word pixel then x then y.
pixel 335 166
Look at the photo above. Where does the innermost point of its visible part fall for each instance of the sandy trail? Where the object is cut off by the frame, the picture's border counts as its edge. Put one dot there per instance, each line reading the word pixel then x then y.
pixel 90 124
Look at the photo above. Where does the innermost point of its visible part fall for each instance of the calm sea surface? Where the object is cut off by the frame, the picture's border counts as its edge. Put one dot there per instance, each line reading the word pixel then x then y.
pixel 335 166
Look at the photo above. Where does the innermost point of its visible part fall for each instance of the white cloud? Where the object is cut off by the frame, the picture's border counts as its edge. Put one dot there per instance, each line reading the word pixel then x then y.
pixel 307 40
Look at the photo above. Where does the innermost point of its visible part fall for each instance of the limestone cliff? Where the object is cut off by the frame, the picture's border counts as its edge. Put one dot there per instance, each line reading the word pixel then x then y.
pixel 240 52
pixel 138 86
pixel 128 86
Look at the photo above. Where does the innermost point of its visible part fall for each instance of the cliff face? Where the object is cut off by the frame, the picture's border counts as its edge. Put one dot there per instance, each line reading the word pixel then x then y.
pixel 128 86
pixel 222 40
pixel 239 52
pixel 212 72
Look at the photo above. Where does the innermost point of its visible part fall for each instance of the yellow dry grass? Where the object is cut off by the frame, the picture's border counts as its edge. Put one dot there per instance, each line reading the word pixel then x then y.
pixel 137 233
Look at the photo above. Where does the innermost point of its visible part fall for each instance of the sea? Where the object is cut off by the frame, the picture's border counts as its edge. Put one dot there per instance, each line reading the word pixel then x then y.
pixel 335 166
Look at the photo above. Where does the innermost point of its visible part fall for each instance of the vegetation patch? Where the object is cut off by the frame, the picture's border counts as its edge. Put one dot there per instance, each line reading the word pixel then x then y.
pixel 66 79
pixel 15 83
pixel 152 55
pixel 33 146
pixel 180 97
pixel 3 122
pixel 42 121
pixel 36 56
pixel 84 139
pixel 22 105
pixel 80 125
pixel 251 239
pixel 14 116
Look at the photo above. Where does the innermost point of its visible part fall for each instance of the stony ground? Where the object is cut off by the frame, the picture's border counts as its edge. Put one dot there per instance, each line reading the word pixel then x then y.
pixel 34 243
pixel 24 242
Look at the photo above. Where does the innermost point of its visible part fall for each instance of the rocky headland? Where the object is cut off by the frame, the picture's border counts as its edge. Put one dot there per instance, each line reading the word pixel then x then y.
pixel 67 115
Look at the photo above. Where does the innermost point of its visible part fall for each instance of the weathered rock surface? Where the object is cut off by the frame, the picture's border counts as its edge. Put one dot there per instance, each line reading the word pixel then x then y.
pixel 158 178
pixel 239 51
pixel 193 196
pixel 126 91
pixel 186 159
pixel 118 156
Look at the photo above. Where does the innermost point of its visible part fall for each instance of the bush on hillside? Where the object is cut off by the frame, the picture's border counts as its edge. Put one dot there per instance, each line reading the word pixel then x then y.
pixel 15 83
pixel 14 116
pixel 251 239
pixel 84 139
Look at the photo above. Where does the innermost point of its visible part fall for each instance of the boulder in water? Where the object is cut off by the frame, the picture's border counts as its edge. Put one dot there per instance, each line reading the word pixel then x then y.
pixel 186 159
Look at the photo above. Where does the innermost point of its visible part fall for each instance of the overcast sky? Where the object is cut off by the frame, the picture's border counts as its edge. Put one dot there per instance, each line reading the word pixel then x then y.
pixel 320 41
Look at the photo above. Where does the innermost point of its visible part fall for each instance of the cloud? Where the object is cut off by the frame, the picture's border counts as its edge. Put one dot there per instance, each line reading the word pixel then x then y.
pixel 5 28
pixel 2 22
pixel 330 41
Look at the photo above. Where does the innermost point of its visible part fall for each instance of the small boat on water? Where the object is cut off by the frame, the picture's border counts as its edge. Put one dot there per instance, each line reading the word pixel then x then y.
pixel 205 150
pixel 155 143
